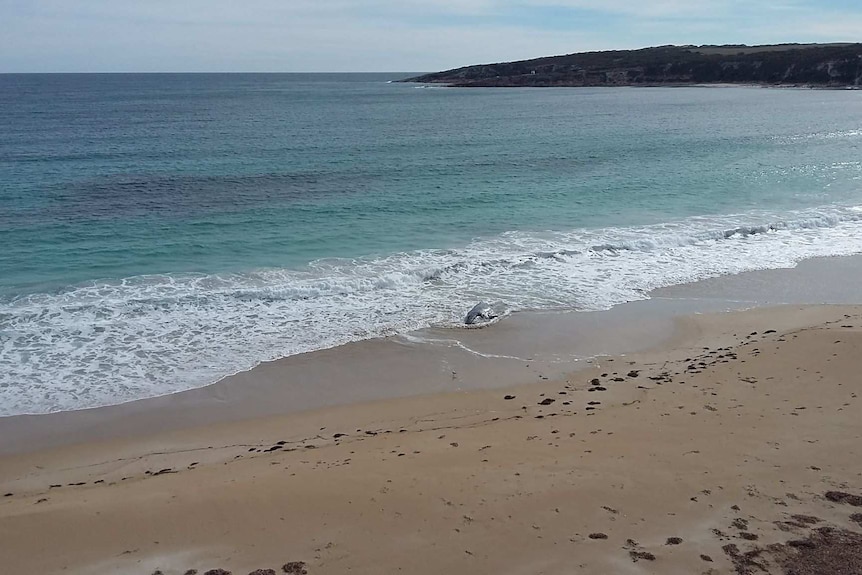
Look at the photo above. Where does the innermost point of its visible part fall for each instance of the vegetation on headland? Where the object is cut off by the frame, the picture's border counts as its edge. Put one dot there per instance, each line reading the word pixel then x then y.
pixel 815 65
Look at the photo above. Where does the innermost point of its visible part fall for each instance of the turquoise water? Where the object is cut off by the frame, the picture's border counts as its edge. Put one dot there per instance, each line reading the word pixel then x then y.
pixel 161 231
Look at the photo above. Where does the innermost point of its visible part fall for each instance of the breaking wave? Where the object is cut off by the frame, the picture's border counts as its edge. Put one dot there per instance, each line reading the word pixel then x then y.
pixel 107 342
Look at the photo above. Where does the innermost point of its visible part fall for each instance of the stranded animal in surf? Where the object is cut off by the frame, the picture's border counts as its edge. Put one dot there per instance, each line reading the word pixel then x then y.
pixel 480 311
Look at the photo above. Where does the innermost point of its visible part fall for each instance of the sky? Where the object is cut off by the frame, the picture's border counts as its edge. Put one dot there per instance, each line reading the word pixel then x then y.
pixel 384 35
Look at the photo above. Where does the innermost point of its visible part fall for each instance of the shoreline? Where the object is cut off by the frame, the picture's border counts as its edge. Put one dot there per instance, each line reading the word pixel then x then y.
pixel 524 347
pixel 712 444
pixel 106 367
pixel 647 85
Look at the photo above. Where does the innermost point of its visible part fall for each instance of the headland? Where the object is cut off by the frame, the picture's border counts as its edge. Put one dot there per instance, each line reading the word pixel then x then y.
pixel 801 65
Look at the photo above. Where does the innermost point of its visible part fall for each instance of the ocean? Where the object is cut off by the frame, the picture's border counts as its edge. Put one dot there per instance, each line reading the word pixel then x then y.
pixel 161 231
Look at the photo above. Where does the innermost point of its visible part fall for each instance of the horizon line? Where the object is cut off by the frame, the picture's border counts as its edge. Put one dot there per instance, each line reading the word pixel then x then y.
pixel 32 73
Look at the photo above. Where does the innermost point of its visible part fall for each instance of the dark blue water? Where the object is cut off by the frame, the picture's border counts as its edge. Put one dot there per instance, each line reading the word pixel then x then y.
pixel 160 231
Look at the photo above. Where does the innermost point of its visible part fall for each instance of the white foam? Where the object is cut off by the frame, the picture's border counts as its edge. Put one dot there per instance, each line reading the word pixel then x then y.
pixel 109 342
pixel 835 135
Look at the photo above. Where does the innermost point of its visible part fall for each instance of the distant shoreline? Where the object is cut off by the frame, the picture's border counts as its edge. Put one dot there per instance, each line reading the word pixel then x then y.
pixel 834 66
pixel 680 85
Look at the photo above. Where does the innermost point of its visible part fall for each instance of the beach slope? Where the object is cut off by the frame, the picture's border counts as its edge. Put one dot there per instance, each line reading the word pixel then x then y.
pixel 734 448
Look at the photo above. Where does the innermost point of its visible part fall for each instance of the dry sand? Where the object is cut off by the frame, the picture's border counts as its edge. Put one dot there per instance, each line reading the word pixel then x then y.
pixel 705 456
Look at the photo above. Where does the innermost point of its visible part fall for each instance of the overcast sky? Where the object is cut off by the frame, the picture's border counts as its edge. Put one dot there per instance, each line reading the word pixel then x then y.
pixel 384 35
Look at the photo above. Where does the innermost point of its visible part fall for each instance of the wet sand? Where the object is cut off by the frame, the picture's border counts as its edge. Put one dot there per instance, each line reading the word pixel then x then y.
pixel 706 455
pixel 654 438
pixel 524 348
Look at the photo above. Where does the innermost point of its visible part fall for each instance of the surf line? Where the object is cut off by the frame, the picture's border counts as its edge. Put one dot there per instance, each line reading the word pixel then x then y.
pixel 460 345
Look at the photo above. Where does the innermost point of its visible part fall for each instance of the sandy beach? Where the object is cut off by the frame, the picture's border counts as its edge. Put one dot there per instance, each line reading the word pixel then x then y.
pixel 731 447
pixel 270 306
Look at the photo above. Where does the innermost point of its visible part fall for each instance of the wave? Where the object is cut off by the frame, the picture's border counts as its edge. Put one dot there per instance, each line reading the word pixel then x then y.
pixel 107 342
pixel 834 135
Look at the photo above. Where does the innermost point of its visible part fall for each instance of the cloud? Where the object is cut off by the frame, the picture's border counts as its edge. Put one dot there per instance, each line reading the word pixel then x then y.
pixel 846 28
pixel 374 35
pixel 654 8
